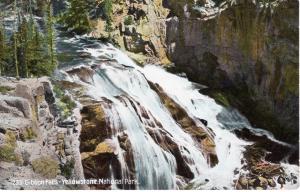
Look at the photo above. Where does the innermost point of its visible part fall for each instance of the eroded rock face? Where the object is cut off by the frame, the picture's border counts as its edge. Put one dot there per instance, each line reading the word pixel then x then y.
pixel 248 52
pixel 138 27
pixel 32 145
pixel 99 151
pixel 202 135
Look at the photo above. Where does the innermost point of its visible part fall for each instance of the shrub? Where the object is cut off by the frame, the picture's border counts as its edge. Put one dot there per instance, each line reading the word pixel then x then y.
pixel 65 104
pixel 67 168
pixel 128 20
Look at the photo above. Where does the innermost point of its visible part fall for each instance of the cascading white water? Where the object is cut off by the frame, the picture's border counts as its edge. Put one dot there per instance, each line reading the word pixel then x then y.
pixel 156 167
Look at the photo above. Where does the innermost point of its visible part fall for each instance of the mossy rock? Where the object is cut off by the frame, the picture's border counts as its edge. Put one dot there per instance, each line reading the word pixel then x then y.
pixel 7 150
pixel 10 139
pixel 28 134
pixel 221 99
pixel 5 89
pixel 7 153
pixel 46 166
pixel 105 147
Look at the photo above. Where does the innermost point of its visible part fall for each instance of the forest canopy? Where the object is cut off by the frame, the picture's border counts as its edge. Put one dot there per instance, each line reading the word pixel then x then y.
pixel 27 39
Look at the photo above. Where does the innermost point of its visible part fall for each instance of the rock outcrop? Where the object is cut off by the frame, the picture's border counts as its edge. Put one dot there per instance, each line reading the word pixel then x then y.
pixel 248 52
pixel 138 27
pixel 99 151
pixel 245 50
pixel 202 135
pixel 32 145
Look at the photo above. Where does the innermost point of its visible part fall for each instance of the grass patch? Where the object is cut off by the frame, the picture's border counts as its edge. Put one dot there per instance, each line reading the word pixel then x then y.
pixel 45 166
pixel 7 153
pixel 28 134
pixel 7 150
pixel 5 89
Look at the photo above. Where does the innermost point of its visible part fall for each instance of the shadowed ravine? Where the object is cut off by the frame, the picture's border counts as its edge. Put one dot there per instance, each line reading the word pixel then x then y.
pixel 145 124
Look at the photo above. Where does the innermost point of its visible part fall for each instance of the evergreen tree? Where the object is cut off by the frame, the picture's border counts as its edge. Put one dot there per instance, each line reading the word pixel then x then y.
pixel 2 44
pixel 16 41
pixel 50 33
pixel 30 49
pixel 107 11
pixel 76 18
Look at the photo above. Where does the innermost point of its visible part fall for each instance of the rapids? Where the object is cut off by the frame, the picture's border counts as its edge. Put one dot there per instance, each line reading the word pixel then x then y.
pixel 126 86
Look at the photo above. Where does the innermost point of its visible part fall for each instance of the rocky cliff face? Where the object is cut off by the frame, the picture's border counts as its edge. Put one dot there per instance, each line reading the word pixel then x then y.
pixel 138 27
pixel 249 52
pixel 245 51
pixel 34 146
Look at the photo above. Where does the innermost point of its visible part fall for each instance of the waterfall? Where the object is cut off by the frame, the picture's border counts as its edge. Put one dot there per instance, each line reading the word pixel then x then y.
pixel 136 110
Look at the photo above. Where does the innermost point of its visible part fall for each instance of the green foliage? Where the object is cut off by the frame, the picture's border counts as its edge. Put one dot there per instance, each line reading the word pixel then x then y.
pixel 4 89
pixel 7 153
pixel 46 166
pixel 67 168
pixel 76 18
pixel 7 150
pixel 28 52
pixel 64 102
pixel 28 134
pixel 128 20
pixel 107 11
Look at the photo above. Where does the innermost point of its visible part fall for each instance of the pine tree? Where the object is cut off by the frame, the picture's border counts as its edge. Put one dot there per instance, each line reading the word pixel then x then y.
pixel 50 33
pixel 2 44
pixel 76 18
pixel 16 41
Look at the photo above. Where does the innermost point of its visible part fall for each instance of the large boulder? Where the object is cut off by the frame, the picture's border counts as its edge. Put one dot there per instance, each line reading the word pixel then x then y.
pixel 15 105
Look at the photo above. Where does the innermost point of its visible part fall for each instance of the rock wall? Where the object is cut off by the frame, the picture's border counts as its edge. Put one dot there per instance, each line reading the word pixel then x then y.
pixel 248 52
pixel 33 145
pixel 138 27
pixel 245 51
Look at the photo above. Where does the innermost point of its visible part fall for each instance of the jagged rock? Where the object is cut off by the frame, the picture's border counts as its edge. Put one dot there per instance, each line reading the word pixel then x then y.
pixel 98 151
pixel 24 91
pixel 25 113
pixel 271 183
pixel 84 73
pixel 85 55
pixel 106 147
pixel 262 182
pixel 15 105
pixel 278 151
pixel 210 50
pixel 203 136
pixel 243 181
pixel 281 180
pixel 138 24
